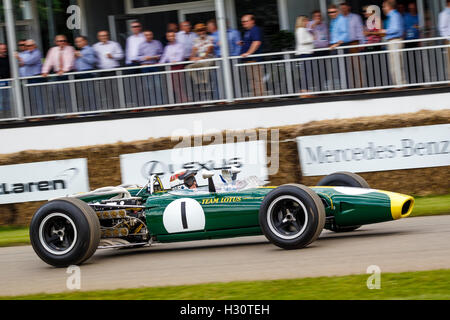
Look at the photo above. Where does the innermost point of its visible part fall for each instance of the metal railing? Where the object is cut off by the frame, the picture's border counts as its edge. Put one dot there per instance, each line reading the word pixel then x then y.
pixel 151 86
pixel 344 69
pixel 7 110
pixel 365 67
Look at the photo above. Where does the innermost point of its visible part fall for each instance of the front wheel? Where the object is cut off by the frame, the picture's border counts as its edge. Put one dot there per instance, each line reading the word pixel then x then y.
pixel 292 216
pixel 65 232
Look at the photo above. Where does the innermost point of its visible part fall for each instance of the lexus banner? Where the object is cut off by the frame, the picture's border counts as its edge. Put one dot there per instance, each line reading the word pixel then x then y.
pixel 249 156
pixel 42 180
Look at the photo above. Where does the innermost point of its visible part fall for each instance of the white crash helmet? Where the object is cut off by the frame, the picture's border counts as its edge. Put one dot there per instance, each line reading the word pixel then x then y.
pixel 182 179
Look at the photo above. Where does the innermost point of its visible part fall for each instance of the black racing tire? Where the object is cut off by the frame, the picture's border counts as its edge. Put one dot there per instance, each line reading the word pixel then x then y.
pixel 344 179
pixel 65 232
pixel 292 216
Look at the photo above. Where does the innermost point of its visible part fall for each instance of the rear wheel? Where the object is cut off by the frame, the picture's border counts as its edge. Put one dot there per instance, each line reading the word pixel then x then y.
pixel 292 216
pixel 343 179
pixel 65 232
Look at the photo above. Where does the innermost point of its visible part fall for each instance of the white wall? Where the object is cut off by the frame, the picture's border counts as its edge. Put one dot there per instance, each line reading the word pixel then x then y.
pixel 112 131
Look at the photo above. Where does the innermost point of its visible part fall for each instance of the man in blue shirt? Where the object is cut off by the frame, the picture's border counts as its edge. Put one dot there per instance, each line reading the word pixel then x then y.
pixel 234 39
pixel 411 27
pixel 348 28
pixel 333 14
pixel 149 53
pixel 252 44
pixel 234 47
pixel 30 60
pixel 394 35
pixel 253 36
pixel 394 23
pixel 411 20
pixel 349 31
pixel 86 59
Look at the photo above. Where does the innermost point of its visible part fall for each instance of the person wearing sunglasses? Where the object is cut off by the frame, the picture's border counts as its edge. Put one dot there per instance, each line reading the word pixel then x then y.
pixel 348 28
pixel 31 62
pixel 333 14
pixel 29 59
pixel 133 43
pixel 61 58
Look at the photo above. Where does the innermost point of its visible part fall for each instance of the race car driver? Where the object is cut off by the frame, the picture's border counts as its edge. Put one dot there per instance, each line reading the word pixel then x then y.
pixel 183 179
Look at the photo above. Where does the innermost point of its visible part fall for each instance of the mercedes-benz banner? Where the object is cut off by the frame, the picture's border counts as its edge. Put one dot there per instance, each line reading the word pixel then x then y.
pixel 249 156
pixel 42 180
pixel 376 150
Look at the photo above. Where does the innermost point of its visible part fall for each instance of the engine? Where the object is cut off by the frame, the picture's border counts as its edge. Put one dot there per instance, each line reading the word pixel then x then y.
pixel 122 218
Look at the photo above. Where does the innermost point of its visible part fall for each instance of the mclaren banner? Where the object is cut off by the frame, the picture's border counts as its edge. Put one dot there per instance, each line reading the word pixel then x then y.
pixel 42 180
pixel 377 150
pixel 249 156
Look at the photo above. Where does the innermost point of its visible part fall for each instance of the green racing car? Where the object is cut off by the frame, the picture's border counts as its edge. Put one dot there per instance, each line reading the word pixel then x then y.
pixel 67 231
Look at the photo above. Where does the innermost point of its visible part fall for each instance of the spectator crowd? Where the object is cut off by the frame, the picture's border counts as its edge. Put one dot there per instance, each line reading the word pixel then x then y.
pixel 349 30
pixel 344 29
pixel 313 37
pixel 188 44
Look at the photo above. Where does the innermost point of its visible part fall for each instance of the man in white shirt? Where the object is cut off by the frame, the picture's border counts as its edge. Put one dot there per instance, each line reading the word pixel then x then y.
pixel 444 21
pixel 444 30
pixel 186 38
pixel 133 43
pixel 109 53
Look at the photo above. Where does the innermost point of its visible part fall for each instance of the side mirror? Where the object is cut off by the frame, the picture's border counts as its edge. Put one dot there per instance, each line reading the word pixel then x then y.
pixel 206 174
pixel 234 173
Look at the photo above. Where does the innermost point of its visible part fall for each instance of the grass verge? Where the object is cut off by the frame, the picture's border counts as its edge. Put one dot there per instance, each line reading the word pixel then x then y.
pixel 424 206
pixel 431 205
pixel 422 285
pixel 14 236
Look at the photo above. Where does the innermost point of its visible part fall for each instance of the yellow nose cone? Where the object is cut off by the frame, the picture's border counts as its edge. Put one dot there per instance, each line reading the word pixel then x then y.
pixel 401 205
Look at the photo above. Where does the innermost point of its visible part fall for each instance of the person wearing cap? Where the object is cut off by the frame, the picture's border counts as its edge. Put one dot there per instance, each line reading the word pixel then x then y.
pixel 202 49
pixel 203 45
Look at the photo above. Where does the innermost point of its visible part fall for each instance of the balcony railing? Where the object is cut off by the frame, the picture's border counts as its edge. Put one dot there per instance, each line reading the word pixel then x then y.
pixel 423 62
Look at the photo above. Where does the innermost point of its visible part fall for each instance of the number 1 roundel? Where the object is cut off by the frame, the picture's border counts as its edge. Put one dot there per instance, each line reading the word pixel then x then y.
pixel 184 215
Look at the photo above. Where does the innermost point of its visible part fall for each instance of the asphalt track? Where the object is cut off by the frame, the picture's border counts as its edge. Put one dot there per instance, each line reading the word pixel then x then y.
pixel 411 244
